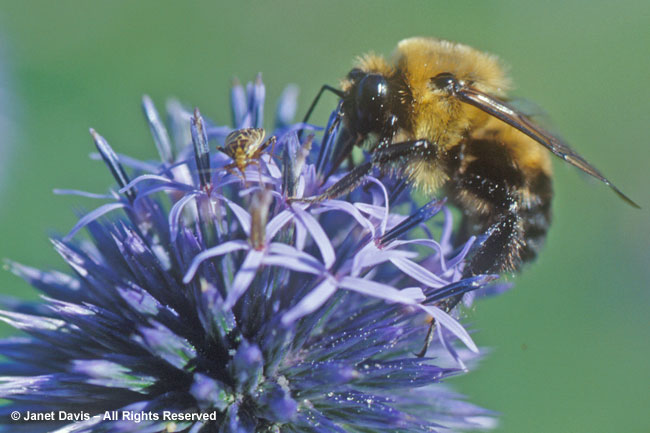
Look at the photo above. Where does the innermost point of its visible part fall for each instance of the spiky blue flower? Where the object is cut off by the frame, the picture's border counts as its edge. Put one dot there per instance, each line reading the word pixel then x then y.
pixel 204 302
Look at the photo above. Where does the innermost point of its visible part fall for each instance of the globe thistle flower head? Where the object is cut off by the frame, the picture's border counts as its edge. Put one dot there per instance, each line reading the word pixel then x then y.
pixel 205 300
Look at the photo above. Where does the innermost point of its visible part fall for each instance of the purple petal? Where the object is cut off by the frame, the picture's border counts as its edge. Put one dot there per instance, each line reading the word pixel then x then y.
pixel 247 121
pixel 244 277
pixel 419 273
pixel 378 212
pixel 209 392
pixel 142 194
pixel 242 215
pixel 278 405
pixel 92 216
pixel 273 169
pixel 370 255
pixel 294 263
pixel 348 208
pixel 252 189
pixel 300 186
pixel 218 131
pixel 427 243
pixel 175 212
pixel 379 290
pixel 238 104
pixel 287 105
pixel 163 343
pixel 144 177
pixel 253 174
pixel 225 248
pixel 450 348
pixel 447 229
pixel 461 256
pixel 414 292
pixel 494 289
pixel 130 162
pixel 28 322
pixel 384 219
pixel 171 186
pixel 179 120
pixel 452 324
pixel 318 234
pixel 53 283
pixel 277 222
pixel 158 130
pixel 84 194
pixel 257 93
pixel 110 374
pixel 311 302
pixel 295 127
pixel 180 172
pixel 289 257
pixel 301 236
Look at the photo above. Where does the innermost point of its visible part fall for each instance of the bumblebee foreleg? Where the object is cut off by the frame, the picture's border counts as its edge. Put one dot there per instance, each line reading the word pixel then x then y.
pixel 343 186
pixel 395 155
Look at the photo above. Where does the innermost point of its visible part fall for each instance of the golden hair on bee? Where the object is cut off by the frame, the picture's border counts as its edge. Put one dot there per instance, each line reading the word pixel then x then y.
pixel 438 115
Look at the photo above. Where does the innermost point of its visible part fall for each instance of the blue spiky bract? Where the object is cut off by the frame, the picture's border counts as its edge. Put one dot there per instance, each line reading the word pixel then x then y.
pixel 206 293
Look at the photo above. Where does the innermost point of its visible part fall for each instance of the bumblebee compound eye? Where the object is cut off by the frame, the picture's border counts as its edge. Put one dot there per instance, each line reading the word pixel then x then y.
pixel 445 81
pixel 356 74
pixel 371 100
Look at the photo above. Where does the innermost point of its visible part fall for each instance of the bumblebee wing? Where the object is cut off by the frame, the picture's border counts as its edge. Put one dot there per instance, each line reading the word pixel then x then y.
pixel 534 113
pixel 516 119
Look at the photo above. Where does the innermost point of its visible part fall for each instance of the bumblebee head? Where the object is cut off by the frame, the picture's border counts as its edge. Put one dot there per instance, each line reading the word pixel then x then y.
pixel 367 101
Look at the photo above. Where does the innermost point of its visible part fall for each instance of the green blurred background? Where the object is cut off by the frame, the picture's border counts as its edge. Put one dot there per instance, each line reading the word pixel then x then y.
pixel 568 346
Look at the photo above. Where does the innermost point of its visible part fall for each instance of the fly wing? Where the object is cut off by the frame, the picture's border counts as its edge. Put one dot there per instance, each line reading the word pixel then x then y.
pixel 516 119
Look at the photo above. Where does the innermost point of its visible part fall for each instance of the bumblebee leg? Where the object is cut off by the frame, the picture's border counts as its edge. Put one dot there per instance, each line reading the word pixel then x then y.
pixel 394 154
pixel 325 87
pixel 404 152
pixel 343 186
pixel 500 199
pixel 330 147
pixel 343 150
pixel 515 228
pixel 501 251
pixel 498 253
pixel 347 140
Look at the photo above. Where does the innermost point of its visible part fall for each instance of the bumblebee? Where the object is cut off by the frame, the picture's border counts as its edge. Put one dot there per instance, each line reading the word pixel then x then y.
pixel 438 115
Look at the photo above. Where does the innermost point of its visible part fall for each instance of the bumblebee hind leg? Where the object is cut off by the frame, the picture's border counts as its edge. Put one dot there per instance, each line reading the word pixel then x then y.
pixel 503 201
pixel 502 244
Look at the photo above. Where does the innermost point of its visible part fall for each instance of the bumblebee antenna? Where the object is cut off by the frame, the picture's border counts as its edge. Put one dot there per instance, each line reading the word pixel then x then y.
pixel 325 87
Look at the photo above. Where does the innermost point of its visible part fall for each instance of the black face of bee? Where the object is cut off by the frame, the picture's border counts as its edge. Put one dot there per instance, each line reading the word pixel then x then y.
pixel 369 98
